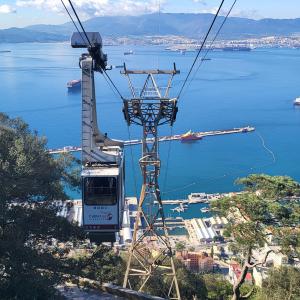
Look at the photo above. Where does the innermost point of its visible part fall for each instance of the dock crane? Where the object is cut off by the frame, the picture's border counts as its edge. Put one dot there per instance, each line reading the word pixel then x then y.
pixel 102 175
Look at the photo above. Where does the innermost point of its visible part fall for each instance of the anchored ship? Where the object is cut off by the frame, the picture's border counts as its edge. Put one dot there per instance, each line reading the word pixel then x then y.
pixel 297 101
pixel 190 136
pixel 74 84
pixel 130 52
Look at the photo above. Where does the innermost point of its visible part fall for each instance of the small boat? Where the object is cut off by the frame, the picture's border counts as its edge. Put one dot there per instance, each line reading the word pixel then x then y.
pixel 5 51
pixel 130 52
pixel 297 101
pixel 178 209
pixel 205 210
pixel 190 136
pixel 181 208
pixel 74 84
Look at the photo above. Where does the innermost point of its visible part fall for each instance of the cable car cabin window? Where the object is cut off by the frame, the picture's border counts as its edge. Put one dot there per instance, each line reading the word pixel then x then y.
pixel 100 191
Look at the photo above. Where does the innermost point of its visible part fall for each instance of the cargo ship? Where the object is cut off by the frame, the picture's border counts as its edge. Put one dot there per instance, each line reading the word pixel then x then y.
pixel 297 101
pixel 190 136
pixel 130 52
pixel 74 84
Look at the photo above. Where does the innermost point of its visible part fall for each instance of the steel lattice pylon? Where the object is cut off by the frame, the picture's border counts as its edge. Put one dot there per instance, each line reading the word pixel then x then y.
pixel 151 251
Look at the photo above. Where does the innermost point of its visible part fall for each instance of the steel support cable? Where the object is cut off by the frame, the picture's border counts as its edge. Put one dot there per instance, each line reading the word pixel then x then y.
pixel 168 161
pixel 213 41
pixel 78 19
pixel 132 163
pixel 113 84
pixel 109 85
pixel 72 20
pixel 108 77
pixel 199 51
pixel 158 29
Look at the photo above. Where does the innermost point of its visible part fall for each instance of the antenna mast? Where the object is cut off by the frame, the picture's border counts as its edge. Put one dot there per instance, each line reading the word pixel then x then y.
pixel 150 253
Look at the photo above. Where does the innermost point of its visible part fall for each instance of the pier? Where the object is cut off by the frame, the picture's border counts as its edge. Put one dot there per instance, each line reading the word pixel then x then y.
pixel 175 137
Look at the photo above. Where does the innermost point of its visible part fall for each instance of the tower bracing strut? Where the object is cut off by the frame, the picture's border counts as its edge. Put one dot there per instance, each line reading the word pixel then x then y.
pixel 151 255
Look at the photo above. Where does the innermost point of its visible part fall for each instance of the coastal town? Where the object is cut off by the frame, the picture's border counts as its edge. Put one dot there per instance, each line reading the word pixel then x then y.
pixel 181 43
pixel 199 242
pixel 149 150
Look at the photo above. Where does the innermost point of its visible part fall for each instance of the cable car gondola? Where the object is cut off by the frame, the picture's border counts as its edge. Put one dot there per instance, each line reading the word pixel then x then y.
pixel 102 158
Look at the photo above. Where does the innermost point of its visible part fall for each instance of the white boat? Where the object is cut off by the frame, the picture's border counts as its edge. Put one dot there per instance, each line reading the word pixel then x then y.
pixel 297 101
pixel 205 210
pixel 181 208
pixel 178 209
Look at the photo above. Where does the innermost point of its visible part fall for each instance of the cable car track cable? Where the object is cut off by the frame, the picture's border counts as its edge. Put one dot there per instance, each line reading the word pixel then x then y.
pixel 113 84
pixel 168 161
pixel 213 41
pixel 199 51
pixel 132 163
pixel 78 19
pixel 72 19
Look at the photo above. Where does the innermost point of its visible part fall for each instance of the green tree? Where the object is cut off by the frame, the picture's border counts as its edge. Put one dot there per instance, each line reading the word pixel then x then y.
pixel 180 246
pixel 266 209
pixel 103 265
pixel 191 285
pixel 29 179
pixel 27 171
pixel 218 288
pixel 282 283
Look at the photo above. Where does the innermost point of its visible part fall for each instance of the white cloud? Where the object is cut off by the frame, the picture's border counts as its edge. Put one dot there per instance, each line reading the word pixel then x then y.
pixel 97 7
pixel 251 14
pixel 7 9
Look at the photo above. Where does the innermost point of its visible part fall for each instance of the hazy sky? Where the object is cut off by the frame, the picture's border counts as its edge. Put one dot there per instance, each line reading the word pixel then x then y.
pixel 20 13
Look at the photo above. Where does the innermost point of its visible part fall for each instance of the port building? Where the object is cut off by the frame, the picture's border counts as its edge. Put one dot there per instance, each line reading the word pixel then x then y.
pixel 203 232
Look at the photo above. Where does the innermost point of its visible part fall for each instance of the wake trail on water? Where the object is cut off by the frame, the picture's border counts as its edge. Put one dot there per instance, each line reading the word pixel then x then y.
pixel 266 148
pixel 229 174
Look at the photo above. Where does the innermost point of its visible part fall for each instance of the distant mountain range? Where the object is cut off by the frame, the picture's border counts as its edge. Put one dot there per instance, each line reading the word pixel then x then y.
pixel 189 25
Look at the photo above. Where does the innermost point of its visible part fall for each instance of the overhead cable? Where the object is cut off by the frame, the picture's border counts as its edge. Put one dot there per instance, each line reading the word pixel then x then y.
pixel 113 84
pixel 214 39
pixel 78 19
pixel 87 38
pixel 72 20
pixel 107 78
pixel 200 49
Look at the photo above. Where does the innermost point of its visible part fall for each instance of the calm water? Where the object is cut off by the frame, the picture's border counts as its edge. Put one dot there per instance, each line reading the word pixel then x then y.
pixel 232 90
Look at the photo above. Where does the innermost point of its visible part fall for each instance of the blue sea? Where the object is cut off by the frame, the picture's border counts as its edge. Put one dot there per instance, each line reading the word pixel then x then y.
pixel 233 89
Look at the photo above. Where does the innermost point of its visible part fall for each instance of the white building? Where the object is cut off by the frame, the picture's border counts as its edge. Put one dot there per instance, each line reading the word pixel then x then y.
pixel 202 231
pixel 260 274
